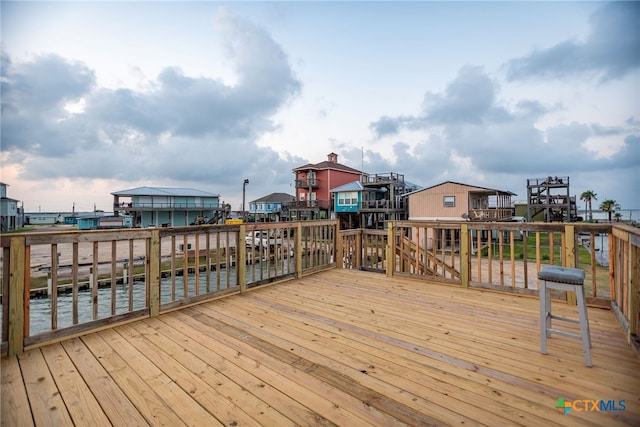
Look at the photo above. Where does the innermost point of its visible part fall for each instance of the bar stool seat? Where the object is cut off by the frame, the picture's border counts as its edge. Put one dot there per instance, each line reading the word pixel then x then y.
pixel 563 279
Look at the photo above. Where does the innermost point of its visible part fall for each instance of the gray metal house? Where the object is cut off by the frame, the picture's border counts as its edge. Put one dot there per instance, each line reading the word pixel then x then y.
pixel 169 207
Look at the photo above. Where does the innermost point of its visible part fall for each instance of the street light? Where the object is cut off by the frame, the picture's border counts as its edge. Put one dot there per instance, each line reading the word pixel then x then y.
pixel 244 186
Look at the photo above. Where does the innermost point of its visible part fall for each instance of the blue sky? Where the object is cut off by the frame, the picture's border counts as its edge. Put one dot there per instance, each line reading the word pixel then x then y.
pixel 104 96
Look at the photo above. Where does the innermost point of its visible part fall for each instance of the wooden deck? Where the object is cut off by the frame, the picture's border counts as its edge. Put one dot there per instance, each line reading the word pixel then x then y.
pixel 340 347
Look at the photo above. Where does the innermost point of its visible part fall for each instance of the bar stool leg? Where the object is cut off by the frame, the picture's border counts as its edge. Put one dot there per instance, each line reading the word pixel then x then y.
pixel 584 325
pixel 545 319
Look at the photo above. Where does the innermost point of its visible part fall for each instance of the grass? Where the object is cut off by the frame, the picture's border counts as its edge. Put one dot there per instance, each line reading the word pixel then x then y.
pixel 583 257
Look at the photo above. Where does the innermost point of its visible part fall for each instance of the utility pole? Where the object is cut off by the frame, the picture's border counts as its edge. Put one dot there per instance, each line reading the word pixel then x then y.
pixel 244 186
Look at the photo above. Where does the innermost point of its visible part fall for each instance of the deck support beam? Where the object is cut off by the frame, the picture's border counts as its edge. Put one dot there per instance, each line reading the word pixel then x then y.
pixel 17 290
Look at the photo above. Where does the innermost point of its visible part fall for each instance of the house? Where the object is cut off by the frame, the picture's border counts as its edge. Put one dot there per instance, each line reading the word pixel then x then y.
pixel 269 208
pixel 384 199
pixel 455 201
pixel 313 184
pixel 372 201
pixel 347 199
pixel 155 206
pixel 459 202
pixel 10 213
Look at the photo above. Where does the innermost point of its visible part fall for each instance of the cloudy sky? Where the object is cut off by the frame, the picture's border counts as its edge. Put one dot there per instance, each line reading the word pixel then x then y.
pixel 99 97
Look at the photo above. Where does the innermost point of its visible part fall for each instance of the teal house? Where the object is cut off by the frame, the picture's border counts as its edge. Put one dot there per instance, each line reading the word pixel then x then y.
pixel 167 207
pixel 347 200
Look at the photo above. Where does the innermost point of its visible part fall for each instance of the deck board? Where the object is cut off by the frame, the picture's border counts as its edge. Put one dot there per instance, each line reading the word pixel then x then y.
pixel 334 348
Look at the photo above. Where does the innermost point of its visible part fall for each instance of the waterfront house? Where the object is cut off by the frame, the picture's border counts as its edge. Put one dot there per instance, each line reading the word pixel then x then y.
pixel 456 201
pixel 372 201
pixel 269 208
pixel 10 215
pixel 313 184
pixel 346 202
pixel 163 206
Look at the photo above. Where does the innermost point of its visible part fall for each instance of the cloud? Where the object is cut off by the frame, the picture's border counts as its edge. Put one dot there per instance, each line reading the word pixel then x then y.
pixel 470 98
pixel 610 51
pixel 467 133
pixel 181 129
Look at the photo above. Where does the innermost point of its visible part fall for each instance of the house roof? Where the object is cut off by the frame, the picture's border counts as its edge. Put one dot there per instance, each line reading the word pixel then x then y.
pixel 164 191
pixel 350 186
pixel 474 188
pixel 276 198
pixel 327 165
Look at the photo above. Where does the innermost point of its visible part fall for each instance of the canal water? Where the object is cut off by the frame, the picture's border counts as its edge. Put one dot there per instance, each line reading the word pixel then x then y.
pixel 40 308
pixel 601 247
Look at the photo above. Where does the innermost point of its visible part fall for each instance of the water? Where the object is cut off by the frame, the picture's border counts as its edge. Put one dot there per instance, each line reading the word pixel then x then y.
pixel 40 320
pixel 40 308
pixel 627 215
pixel 601 246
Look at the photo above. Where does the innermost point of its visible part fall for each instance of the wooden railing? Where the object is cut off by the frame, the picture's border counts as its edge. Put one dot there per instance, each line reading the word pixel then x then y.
pixel 60 284
pixel 507 256
pixel 100 278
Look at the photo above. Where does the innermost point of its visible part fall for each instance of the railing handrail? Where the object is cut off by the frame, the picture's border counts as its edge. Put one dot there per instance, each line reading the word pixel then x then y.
pixel 313 245
pixel 202 251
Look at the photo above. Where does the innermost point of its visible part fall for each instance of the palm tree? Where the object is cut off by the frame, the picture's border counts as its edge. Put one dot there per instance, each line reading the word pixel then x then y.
pixel 588 196
pixel 609 206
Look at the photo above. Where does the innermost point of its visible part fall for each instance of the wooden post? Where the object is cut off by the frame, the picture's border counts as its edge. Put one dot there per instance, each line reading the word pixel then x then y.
pixel 94 280
pixel 241 258
pixel 359 246
pixel 125 271
pixel 391 255
pixel 465 261
pixel 154 273
pixel 16 296
pixel 612 267
pixel 570 256
pixel 634 293
pixel 339 250
pixel 298 250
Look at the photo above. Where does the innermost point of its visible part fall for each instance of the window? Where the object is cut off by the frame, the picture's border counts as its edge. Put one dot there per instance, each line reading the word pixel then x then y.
pixel 449 201
pixel 348 199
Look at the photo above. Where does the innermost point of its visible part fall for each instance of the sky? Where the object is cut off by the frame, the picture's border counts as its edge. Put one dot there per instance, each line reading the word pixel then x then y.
pixel 99 97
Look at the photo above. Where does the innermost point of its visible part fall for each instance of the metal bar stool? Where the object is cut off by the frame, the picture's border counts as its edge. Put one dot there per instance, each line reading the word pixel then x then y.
pixel 564 279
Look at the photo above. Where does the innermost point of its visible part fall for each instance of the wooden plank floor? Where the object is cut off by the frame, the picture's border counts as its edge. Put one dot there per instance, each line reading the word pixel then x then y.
pixel 344 348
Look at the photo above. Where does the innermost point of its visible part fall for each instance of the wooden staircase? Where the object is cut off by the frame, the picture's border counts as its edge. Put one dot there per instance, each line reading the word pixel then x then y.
pixel 418 260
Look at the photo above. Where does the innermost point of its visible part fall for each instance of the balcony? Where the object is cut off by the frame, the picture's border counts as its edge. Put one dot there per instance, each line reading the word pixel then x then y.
pixel 307 183
pixel 490 214
pixel 382 205
pixel 164 206
pixel 308 204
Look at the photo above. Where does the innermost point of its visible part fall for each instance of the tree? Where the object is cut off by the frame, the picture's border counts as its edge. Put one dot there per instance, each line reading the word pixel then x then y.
pixel 588 196
pixel 609 206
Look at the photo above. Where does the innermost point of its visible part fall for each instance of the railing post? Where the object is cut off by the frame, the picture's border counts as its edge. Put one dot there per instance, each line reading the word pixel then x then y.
pixel 241 258
pixel 634 295
pixel 298 250
pixel 338 246
pixel 391 255
pixel 154 273
pixel 464 255
pixel 359 249
pixel 17 296
pixel 570 256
